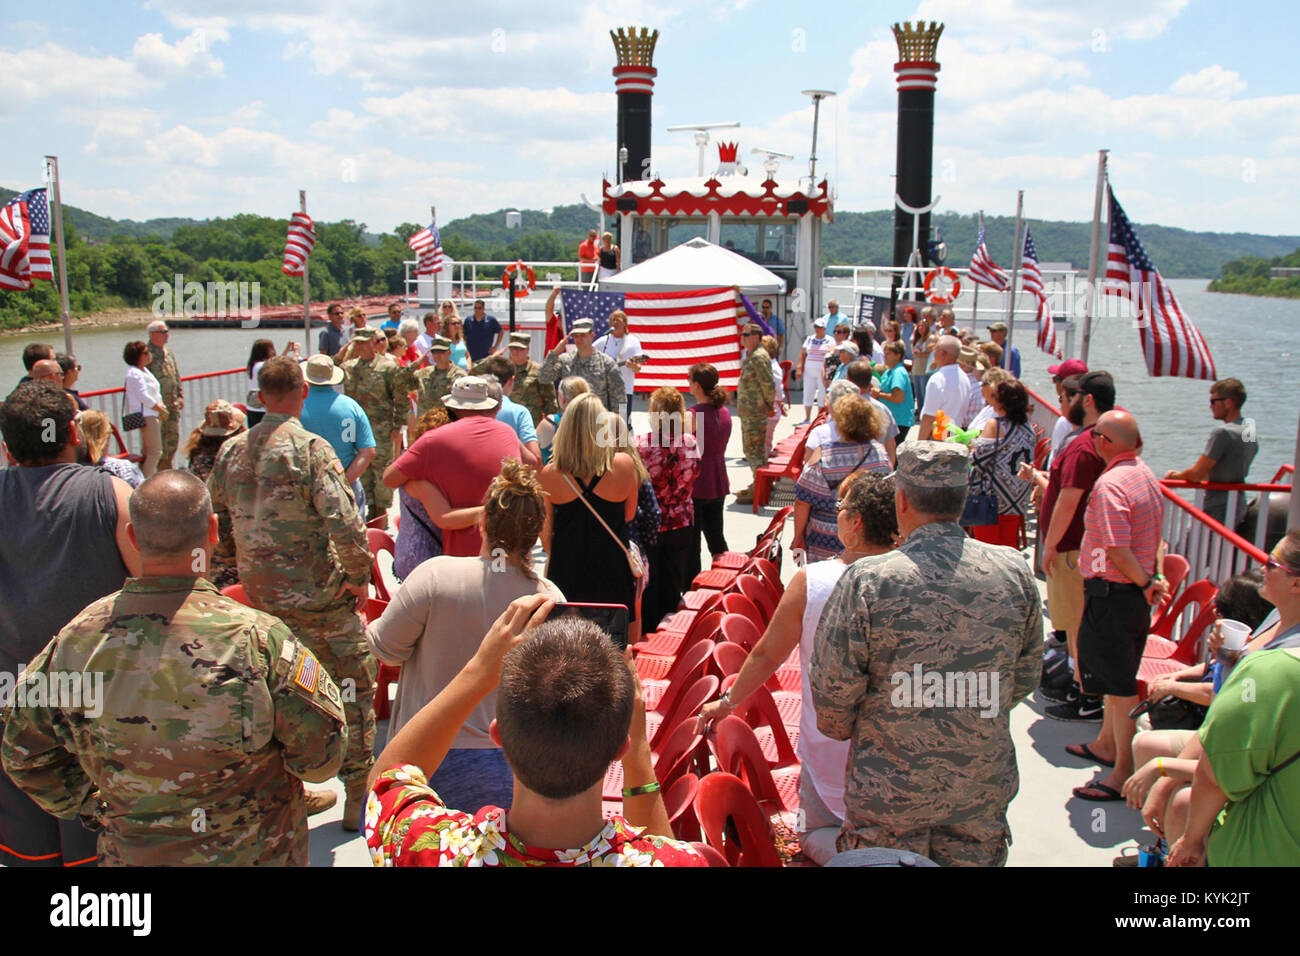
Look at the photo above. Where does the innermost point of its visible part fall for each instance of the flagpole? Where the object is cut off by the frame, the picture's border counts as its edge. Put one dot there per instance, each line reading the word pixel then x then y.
pixel 1094 255
pixel 306 289
pixel 1016 251
pixel 52 173
pixel 975 303
pixel 433 218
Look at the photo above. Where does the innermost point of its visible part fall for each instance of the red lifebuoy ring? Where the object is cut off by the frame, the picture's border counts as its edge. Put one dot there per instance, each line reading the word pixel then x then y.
pixel 955 284
pixel 522 288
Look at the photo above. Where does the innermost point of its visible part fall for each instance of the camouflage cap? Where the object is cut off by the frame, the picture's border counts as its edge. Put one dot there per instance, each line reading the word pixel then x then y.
pixel 363 335
pixel 520 340
pixel 582 325
pixel 934 464
pixel 440 344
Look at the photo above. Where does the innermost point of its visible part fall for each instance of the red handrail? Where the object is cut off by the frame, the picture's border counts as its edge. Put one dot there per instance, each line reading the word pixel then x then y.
pixel 1284 470
pixel 1223 486
pixel 1218 528
pixel 184 378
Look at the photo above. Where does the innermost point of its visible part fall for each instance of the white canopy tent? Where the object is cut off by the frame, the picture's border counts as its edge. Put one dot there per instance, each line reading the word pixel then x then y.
pixel 695 264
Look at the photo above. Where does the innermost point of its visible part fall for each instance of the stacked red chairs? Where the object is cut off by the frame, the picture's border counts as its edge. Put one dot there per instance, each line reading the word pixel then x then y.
pixel 734 824
pixel 379 541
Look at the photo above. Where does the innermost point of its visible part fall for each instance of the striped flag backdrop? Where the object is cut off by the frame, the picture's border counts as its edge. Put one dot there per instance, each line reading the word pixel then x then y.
pixel 676 329
pixel 427 244
pixel 983 269
pixel 1171 342
pixel 298 243
pixel 15 267
pixel 1031 279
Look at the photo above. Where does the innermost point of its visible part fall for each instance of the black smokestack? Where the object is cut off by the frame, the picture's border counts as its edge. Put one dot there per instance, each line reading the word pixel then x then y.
pixel 917 75
pixel 634 81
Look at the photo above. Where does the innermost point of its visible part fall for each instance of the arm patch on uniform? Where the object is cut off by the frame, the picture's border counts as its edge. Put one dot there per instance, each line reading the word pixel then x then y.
pixel 308 671
pixel 338 466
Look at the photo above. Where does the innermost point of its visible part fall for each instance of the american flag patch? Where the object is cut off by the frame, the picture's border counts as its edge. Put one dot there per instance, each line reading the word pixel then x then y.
pixel 308 671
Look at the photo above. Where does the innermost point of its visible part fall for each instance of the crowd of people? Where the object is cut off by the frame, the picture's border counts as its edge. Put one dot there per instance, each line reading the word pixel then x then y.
pixel 257 554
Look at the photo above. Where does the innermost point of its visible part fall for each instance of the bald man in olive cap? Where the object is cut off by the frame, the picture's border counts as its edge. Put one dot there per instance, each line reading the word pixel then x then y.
pixel 919 657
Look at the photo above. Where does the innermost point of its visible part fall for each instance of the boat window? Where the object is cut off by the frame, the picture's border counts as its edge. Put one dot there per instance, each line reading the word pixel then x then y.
pixel 683 230
pixel 648 236
pixel 779 242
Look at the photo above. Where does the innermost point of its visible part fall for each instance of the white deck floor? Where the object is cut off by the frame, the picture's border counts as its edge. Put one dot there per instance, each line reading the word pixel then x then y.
pixel 1049 826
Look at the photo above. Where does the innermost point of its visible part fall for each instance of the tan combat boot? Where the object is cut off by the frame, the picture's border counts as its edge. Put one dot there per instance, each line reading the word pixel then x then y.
pixel 356 800
pixel 746 496
pixel 318 801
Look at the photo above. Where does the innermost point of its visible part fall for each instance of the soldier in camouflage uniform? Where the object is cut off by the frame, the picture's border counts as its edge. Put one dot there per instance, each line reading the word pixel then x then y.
pixel 600 371
pixel 162 363
pixel 208 714
pixel 301 550
pixel 755 397
pixel 919 657
pixel 377 384
pixel 529 392
pixel 433 382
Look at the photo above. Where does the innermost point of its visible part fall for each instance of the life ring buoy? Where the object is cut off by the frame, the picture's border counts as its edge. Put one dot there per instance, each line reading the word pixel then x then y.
pixel 521 288
pixel 937 297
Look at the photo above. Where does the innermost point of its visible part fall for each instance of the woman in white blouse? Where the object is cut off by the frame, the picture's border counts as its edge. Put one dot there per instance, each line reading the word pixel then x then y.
pixel 143 394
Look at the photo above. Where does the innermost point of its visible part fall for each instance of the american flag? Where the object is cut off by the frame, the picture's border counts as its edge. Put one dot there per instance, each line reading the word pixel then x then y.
pixel 676 330
pixel 298 244
pixel 983 269
pixel 1171 343
pixel 38 240
pixel 428 247
pixel 1031 280
pixel 15 267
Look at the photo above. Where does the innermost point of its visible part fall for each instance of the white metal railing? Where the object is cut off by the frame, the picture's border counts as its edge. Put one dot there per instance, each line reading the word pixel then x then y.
pixel 199 391
pixel 462 283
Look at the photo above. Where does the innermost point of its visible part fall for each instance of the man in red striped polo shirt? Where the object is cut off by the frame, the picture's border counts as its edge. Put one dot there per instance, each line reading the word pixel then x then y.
pixel 1121 534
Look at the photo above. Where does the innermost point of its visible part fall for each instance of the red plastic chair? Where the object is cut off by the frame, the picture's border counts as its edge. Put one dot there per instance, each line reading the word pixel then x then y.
pixel 739 629
pixel 729 657
pixel 690 666
pixel 768 573
pixel 378 523
pixel 680 750
pixel 236 592
pixel 737 603
pixel 734 824
pixel 1201 595
pixel 1176 571
pixel 123 451
pixel 688 704
pixel 768 475
pixel 777 735
pixel 379 541
pixel 1151 669
pixel 668 644
pixel 679 801
pixel 1185 651
pixel 758 591
pixel 739 753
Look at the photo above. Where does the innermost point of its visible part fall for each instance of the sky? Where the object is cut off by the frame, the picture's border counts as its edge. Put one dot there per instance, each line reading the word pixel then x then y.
pixel 380 108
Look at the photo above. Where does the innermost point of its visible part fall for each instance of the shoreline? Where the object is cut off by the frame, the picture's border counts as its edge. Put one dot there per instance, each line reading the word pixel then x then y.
pixel 111 319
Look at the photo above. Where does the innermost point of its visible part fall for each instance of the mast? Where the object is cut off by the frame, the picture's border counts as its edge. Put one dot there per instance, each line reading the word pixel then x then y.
pixel 634 82
pixel 1017 252
pixel 1094 255
pixel 917 76
pixel 433 218
pixel 52 174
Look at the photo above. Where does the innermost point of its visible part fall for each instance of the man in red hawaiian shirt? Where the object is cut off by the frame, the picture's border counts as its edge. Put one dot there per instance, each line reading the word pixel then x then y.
pixel 567 706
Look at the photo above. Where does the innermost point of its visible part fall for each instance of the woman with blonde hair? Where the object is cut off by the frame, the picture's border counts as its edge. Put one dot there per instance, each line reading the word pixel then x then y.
pixel 643 529
pixel 591 490
pixel 452 327
pixel 97 430
pixel 608 254
pixel 570 388
pixel 860 425
pixel 435 622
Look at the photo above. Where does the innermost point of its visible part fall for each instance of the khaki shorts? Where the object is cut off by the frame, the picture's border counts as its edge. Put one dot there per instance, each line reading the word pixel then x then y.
pixel 1065 593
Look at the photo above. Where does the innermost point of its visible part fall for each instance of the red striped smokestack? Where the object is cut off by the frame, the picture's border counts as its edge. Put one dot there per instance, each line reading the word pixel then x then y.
pixel 917 74
pixel 634 82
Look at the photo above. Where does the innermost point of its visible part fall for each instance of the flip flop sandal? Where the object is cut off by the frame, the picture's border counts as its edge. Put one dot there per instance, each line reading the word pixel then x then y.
pixel 1084 752
pixel 1129 856
pixel 1107 794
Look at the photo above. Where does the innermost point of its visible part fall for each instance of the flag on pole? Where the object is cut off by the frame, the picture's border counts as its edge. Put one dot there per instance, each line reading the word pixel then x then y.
pixel 1031 280
pixel 1171 342
pixel 298 244
pixel 38 238
pixel 427 244
pixel 15 266
pixel 982 267
pixel 676 329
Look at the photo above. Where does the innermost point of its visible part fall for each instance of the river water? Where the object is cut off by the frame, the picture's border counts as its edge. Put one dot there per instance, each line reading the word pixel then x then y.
pixel 1174 413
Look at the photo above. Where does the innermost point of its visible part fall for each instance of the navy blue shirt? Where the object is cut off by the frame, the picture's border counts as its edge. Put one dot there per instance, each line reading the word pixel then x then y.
pixel 480 336
pixel 330 341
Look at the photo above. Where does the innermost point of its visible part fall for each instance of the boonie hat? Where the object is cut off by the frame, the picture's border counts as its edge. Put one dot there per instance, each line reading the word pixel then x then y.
pixel 221 418
pixel 470 393
pixel 934 464
pixel 321 370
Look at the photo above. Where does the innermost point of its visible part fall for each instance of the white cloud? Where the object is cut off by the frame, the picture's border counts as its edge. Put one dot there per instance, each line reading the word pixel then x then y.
pixel 1213 81
pixel 187 57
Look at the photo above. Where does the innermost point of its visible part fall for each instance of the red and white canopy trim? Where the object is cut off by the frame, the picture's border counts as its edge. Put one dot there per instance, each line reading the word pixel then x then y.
pixel 729 196
pixel 917 75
